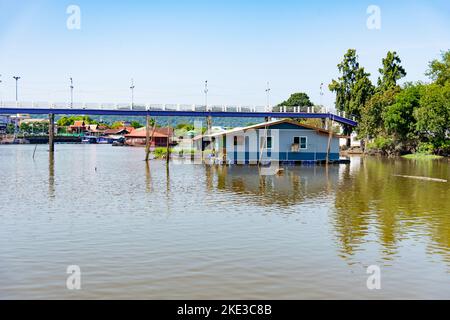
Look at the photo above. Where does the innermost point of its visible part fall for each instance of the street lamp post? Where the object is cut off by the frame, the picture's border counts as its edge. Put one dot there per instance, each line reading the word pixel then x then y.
pixel 132 93
pixel 71 92
pixel 206 94
pixel 268 96
pixel 17 80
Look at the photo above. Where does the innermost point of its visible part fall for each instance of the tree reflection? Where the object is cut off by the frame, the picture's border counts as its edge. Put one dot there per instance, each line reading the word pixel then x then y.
pixel 372 202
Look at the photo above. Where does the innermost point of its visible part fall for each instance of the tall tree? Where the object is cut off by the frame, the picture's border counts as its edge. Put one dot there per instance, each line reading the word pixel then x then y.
pixel 439 70
pixel 433 115
pixel 353 88
pixel 399 117
pixel 299 99
pixel 391 72
pixel 371 116
pixel 371 124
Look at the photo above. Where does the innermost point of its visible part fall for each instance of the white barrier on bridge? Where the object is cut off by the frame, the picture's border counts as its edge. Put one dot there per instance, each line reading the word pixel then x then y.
pixel 165 107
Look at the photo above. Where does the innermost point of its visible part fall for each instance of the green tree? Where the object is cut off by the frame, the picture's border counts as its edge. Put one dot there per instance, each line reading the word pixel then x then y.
pixel 299 99
pixel 10 128
pixel 64 122
pixel 372 124
pixel 439 70
pixel 399 118
pixel 136 124
pixel 353 88
pixel 433 115
pixel 117 125
pixel 391 72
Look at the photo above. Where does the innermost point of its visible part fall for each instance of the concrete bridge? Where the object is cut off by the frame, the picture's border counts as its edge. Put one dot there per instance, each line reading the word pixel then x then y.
pixel 171 110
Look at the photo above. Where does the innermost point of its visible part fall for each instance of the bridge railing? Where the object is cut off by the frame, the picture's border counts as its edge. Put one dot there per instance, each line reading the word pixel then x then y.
pixel 167 107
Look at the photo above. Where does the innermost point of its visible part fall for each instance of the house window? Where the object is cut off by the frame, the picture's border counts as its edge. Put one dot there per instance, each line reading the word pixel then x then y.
pixel 302 142
pixel 238 140
pixel 267 144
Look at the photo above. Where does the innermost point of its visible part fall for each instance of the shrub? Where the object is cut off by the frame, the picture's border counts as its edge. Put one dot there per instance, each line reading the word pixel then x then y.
pixel 425 148
pixel 160 152
pixel 381 143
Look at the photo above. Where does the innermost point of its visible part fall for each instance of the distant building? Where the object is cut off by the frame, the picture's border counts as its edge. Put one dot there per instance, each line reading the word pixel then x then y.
pixel 119 131
pixel 281 140
pixel 4 121
pixel 160 137
pixel 78 127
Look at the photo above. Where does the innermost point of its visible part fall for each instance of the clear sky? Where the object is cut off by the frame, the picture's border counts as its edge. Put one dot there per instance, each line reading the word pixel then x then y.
pixel 171 47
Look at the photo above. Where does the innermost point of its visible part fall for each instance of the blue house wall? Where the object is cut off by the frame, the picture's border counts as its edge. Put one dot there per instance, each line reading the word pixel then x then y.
pixel 248 149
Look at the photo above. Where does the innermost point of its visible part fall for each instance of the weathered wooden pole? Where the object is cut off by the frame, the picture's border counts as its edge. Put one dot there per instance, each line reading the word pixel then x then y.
pixel 168 144
pixel 330 136
pixel 147 138
pixel 209 124
pixel 51 133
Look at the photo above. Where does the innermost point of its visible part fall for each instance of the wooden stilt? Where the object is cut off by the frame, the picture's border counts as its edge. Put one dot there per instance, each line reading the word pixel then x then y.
pixel 168 144
pixel 51 133
pixel 209 123
pixel 147 138
pixel 330 136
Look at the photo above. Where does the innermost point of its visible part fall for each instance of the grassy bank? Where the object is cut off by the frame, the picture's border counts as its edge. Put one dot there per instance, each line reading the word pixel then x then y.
pixel 421 156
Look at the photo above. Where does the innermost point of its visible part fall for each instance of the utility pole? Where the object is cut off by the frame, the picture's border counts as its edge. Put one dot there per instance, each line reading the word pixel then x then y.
pixel 71 93
pixel 268 96
pixel 132 93
pixel 17 80
pixel 321 94
pixel 209 118
pixel 206 94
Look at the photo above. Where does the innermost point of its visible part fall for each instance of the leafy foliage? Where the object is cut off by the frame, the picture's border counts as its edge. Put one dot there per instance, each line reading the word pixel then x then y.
pixel 439 70
pixel 353 88
pixel 299 99
pixel 391 72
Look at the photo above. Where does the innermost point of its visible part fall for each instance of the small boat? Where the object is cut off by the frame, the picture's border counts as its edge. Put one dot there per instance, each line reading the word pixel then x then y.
pixel 103 140
pixel 89 140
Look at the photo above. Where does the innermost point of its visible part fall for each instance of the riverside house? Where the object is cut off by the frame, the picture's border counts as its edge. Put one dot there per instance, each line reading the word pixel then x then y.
pixel 281 140
pixel 161 136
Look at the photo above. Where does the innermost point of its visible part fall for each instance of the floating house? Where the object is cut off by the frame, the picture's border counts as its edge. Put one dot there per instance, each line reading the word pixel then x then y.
pixel 285 141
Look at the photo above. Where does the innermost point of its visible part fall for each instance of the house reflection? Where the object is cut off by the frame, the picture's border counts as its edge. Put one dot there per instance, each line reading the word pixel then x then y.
pixel 295 185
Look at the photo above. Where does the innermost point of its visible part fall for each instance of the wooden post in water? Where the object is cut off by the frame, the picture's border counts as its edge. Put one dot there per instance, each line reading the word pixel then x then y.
pixel 209 124
pixel 330 136
pixel 168 144
pixel 147 138
pixel 51 133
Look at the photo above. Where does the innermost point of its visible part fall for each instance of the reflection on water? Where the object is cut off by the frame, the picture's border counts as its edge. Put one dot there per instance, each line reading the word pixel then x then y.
pixel 148 230
pixel 372 201
pixel 294 186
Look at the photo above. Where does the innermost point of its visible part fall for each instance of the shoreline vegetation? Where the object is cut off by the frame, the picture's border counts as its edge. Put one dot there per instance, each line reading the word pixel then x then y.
pixel 410 120
pixel 396 120
pixel 422 156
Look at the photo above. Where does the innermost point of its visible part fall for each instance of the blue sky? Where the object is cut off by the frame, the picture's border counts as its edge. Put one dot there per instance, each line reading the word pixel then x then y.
pixel 171 47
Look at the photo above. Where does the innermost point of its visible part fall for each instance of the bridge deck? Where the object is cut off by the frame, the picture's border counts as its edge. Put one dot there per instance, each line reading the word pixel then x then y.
pixel 153 112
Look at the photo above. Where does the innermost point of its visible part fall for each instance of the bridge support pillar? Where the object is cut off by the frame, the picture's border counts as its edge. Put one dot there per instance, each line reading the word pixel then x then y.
pixel 51 133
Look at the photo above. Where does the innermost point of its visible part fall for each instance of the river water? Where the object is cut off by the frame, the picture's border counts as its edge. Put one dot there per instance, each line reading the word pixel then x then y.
pixel 200 232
